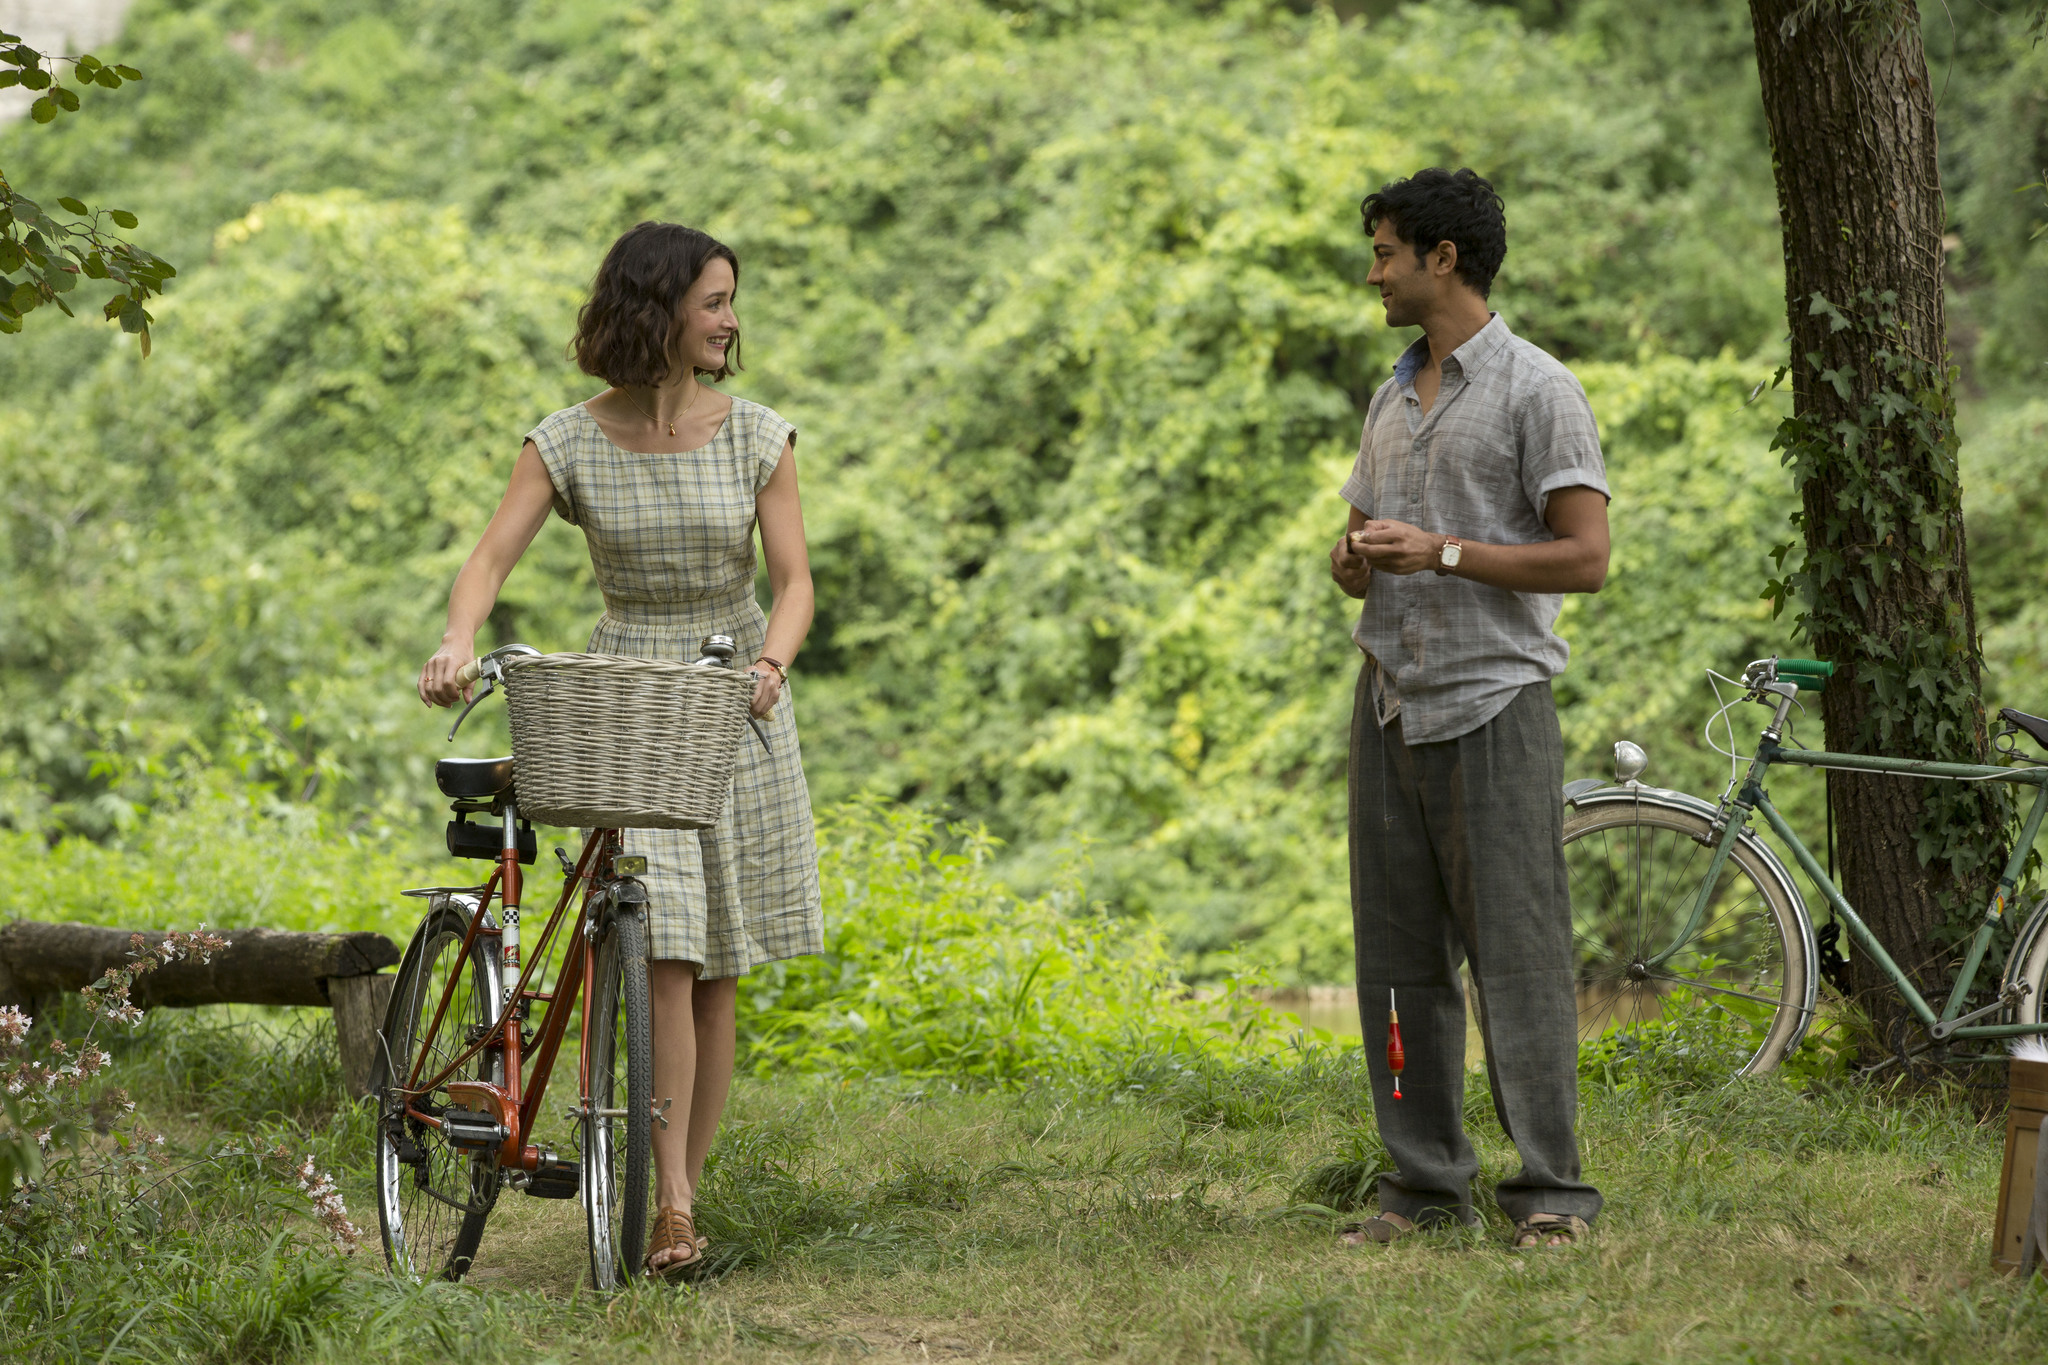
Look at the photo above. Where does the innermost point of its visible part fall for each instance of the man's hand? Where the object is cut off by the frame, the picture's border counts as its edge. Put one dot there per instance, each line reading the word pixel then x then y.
pixel 1398 548
pixel 1348 569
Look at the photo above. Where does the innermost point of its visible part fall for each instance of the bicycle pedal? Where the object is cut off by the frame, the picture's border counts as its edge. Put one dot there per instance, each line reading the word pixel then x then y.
pixel 559 1182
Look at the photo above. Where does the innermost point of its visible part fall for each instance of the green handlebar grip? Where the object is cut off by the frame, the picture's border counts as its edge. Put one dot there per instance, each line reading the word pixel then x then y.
pixel 1805 682
pixel 1812 668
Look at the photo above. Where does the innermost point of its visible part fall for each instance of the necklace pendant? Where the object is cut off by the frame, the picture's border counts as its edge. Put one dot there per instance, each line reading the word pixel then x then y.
pixel 671 428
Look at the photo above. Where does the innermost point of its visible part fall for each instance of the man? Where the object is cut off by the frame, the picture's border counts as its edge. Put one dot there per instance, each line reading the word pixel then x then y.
pixel 1479 497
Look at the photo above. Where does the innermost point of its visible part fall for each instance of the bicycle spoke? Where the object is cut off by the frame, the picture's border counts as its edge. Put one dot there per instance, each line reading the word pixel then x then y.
pixel 1636 880
pixel 1694 983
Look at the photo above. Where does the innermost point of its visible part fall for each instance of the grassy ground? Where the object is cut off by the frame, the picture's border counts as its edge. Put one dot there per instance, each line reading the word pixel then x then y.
pixel 1170 1215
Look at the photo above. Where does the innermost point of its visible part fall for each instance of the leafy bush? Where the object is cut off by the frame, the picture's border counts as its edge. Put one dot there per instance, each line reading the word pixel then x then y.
pixel 220 851
pixel 933 968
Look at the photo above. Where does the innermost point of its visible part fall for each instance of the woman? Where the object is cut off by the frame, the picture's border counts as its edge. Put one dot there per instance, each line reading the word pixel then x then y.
pixel 668 479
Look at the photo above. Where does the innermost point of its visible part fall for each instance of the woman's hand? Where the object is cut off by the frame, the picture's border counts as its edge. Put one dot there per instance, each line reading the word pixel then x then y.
pixel 438 686
pixel 767 689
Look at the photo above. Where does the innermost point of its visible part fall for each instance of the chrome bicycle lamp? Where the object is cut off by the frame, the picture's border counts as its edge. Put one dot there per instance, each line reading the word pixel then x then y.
pixel 1629 760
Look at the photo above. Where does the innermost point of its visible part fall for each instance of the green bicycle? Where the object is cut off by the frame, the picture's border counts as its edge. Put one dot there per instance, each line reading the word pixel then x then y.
pixel 1671 892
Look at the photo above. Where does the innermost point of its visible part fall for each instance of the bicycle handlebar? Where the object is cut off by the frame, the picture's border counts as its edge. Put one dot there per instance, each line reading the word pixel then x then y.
pixel 469 673
pixel 1805 675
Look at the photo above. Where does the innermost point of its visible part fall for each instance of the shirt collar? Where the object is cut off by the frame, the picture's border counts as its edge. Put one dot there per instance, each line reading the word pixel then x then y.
pixel 1471 357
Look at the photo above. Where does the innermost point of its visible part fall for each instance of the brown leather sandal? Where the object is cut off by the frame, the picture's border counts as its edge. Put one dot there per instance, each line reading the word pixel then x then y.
pixel 673 1231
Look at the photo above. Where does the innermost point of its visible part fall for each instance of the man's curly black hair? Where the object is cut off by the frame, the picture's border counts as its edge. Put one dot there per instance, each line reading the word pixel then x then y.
pixel 1437 205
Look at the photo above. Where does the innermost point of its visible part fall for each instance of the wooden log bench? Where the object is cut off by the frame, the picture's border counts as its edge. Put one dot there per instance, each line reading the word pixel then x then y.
pixel 341 972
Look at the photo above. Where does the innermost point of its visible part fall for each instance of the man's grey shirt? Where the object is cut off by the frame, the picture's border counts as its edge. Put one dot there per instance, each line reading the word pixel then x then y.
pixel 1510 426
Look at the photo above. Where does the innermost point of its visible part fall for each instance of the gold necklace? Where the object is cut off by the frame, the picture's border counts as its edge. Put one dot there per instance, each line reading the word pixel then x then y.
pixel 678 417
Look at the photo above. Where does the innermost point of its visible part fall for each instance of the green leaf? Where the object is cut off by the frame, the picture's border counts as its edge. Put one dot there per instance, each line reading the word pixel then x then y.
pixel 96 266
pixel 70 204
pixel 133 319
pixel 123 218
pixel 66 97
pixel 8 78
pixel 106 78
pixel 35 78
pixel 127 73
pixel 11 257
pixel 86 65
pixel 42 111
pixel 25 298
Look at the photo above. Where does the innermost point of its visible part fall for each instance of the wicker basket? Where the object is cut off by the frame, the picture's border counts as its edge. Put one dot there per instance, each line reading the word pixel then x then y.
pixel 612 743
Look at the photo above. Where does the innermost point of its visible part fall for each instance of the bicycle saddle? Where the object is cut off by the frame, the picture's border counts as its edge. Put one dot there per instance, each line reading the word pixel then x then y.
pixel 2033 725
pixel 473 777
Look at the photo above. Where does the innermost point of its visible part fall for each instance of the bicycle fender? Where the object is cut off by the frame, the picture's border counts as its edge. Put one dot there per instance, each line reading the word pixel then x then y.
pixel 1685 801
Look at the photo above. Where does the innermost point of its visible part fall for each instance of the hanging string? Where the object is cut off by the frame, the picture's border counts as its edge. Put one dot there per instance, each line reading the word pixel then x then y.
pixel 1397 1055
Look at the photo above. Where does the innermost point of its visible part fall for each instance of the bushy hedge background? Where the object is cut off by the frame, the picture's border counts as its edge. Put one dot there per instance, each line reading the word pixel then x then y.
pixel 1067 301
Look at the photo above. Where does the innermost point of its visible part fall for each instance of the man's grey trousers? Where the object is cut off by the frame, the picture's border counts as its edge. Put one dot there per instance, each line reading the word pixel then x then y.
pixel 1457 856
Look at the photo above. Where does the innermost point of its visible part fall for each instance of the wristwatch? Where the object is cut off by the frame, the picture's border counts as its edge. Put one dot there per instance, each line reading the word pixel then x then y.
pixel 1448 554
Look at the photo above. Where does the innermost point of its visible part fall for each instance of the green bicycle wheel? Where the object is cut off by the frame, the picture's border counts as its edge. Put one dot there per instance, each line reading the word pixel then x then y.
pixel 1636 870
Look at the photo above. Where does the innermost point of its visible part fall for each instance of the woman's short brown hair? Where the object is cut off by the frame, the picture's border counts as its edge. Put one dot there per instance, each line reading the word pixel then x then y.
pixel 627 331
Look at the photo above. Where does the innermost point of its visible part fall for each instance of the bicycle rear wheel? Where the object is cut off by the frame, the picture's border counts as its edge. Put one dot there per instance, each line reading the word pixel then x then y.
pixel 618 1166
pixel 433 1198
pixel 1636 870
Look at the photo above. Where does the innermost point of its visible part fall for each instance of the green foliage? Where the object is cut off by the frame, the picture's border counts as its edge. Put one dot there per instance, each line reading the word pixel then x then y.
pixel 933 968
pixel 2005 482
pixel 1067 302
pixel 47 253
pixel 2001 220
pixel 1694 1044
pixel 226 856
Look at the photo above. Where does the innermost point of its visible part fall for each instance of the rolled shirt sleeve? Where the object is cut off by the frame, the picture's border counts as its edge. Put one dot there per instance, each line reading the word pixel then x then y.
pixel 1560 441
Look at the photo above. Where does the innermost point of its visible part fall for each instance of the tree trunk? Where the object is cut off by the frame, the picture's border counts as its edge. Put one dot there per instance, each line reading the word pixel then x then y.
pixel 1885 580
pixel 259 967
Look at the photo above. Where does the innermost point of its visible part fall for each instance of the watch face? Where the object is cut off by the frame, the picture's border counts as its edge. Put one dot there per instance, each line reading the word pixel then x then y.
pixel 1452 551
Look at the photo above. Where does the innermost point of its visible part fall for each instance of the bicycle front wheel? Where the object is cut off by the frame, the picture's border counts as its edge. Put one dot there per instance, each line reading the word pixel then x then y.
pixel 618 1166
pixel 1636 871
pixel 432 1198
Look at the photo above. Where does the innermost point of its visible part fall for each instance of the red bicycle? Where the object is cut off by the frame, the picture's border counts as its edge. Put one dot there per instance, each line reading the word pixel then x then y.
pixel 465 1065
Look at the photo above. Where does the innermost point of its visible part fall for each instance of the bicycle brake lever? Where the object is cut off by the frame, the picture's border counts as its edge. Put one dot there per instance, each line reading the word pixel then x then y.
pixel 487 690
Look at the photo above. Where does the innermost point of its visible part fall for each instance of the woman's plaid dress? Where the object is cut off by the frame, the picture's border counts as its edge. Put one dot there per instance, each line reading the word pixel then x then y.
pixel 672 540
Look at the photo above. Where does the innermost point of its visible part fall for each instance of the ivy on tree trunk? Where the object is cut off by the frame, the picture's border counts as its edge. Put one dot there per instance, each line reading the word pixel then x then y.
pixel 1883 584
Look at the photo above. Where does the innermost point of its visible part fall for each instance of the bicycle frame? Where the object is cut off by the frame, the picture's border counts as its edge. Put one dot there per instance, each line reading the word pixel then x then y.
pixel 1750 798
pixel 516 1103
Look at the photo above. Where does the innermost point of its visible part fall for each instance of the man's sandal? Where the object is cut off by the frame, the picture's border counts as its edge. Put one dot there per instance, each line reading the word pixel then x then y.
pixel 1381 1229
pixel 1541 1231
pixel 673 1231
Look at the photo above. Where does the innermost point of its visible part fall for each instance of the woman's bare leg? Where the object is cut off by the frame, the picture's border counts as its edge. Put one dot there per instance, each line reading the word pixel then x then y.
pixel 671 987
pixel 715 1005
pixel 694 1039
